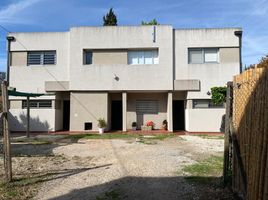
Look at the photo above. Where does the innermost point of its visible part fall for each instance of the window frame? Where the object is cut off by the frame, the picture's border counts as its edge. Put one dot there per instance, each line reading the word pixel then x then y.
pixel 24 104
pixel 144 107
pixel 209 104
pixel 154 56
pixel 85 51
pixel 42 55
pixel 203 50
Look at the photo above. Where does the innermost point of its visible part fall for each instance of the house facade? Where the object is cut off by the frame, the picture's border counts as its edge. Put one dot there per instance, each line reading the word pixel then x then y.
pixel 123 74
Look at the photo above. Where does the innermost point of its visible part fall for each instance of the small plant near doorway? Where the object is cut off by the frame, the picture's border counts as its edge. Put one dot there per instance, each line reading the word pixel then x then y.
pixel 134 126
pixel 102 125
pixel 164 125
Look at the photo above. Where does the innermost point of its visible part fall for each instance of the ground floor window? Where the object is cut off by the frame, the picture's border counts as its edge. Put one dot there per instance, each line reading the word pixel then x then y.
pixel 147 107
pixel 37 104
pixel 206 103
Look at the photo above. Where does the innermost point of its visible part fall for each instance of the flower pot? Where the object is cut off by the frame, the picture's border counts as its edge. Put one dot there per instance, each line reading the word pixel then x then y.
pixel 101 130
pixel 146 128
pixel 134 128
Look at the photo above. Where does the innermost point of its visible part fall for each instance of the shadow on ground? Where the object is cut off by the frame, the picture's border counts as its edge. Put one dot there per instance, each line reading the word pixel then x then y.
pixel 153 188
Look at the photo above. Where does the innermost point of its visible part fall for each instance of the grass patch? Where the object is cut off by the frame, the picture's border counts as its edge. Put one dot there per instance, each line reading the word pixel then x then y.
pixel 22 188
pixel 33 141
pixel 119 136
pixel 205 136
pixel 205 171
pixel 160 137
pixel 145 141
pixel 103 136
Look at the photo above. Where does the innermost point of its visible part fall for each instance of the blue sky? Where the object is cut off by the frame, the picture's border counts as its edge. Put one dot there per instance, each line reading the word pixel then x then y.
pixel 59 15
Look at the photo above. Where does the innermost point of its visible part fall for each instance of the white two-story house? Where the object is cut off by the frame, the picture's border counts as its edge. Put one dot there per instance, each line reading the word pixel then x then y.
pixel 123 74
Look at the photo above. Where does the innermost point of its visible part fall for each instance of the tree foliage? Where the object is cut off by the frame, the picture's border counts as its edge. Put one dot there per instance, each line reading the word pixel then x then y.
pixel 218 95
pixel 152 22
pixel 110 18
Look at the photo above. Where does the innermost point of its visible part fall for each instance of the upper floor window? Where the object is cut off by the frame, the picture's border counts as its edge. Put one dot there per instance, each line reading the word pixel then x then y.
pixel 205 55
pixel 87 57
pixel 37 104
pixel 143 57
pixel 41 58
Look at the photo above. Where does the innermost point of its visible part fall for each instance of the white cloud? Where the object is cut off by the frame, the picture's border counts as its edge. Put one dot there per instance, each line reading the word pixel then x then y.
pixel 7 14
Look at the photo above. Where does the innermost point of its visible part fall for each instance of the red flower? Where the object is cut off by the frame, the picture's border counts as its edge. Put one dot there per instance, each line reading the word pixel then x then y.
pixel 150 123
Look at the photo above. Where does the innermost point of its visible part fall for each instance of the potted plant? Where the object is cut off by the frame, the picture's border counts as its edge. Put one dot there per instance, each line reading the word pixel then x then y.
pixel 148 126
pixel 164 125
pixel 134 126
pixel 102 125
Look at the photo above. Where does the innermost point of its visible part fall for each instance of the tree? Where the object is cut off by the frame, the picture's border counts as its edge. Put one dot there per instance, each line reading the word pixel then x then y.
pixel 110 18
pixel 218 95
pixel 152 22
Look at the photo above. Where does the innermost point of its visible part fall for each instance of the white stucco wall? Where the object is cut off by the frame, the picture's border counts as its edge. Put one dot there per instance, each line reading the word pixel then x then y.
pixel 134 78
pixel 209 74
pixel 203 120
pixel 32 78
pixel 40 119
pixel 131 77
pixel 87 107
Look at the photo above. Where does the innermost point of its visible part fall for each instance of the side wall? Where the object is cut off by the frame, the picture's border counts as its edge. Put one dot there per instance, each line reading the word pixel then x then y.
pixel 209 74
pixel 202 119
pixel 41 119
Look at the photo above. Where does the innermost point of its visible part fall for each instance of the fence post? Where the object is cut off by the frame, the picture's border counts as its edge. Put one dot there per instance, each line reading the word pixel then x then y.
pixel 227 136
pixel 6 138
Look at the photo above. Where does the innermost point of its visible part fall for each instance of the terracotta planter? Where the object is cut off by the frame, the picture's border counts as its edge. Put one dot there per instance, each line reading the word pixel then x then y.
pixel 146 128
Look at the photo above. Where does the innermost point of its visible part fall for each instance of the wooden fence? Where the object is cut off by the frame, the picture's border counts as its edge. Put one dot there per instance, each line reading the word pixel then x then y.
pixel 250 134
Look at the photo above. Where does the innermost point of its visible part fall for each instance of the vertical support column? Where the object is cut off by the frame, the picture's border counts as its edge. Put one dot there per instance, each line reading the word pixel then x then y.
pixel 28 117
pixel 170 111
pixel 124 109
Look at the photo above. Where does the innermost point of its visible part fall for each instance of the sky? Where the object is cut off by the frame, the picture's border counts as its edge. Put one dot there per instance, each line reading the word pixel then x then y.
pixel 60 15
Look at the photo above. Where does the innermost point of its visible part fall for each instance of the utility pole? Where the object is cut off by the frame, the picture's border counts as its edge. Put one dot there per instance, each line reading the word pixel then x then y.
pixel 6 138
pixel 6 132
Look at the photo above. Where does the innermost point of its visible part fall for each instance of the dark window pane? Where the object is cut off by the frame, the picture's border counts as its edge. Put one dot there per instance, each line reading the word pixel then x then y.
pixel 88 57
pixel 49 58
pixel 34 58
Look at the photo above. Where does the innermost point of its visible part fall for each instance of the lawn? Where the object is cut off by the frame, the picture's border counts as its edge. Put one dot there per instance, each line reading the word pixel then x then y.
pixel 120 136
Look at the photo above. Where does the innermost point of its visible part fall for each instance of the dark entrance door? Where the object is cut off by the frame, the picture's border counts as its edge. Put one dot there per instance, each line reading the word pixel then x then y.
pixel 116 115
pixel 66 115
pixel 178 115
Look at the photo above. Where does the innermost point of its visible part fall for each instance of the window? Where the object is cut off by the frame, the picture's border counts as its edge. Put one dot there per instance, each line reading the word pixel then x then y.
pixel 206 55
pixel 87 57
pixel 149 57
pixel 147 107
pixel 37 104
pixel 41 58
pixel 205 103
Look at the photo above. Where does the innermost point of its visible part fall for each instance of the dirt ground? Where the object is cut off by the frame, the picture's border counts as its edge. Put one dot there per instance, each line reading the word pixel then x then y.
pixel 128 168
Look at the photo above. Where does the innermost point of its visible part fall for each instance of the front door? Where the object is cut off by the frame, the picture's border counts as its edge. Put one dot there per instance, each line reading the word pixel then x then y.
pixel 178 115
pixel 66 115
pixel 116 115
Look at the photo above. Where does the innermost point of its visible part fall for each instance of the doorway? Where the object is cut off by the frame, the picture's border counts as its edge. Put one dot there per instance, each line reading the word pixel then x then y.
pixel 116 115
pixel 178 115
pixel 66 115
